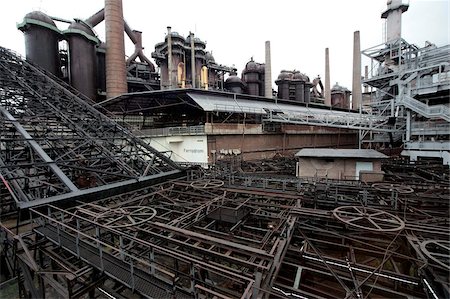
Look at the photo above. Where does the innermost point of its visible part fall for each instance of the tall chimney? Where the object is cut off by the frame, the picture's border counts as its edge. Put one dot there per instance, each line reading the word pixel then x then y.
pixel 356 88
pixel 393 16
pixel 192 59
pixel 327 78
pixel 169 57
pixel 268 73
pixel 116 76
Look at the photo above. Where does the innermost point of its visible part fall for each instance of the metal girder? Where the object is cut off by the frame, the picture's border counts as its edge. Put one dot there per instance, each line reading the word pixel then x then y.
pixel 55 145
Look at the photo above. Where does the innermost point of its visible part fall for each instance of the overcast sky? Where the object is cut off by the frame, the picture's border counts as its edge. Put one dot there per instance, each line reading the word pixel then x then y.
pixel 236 30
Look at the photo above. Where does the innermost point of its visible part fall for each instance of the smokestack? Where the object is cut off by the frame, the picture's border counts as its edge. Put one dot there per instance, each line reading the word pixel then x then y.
pixel 327 78
pixel 192 59
pixel 356 88
pixel 169 57
pixel 366 76
pixel 268 73
pixel 116 76
pixel 393 16
pixel 116 79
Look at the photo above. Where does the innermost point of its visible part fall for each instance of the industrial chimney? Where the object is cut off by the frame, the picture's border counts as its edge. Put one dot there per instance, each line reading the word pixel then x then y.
pixel 327 78
pixel 393 16
pixel 356 88
pixel 268 73
pixel 116 77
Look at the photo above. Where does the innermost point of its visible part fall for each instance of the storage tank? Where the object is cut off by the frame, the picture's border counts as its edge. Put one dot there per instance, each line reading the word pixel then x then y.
pixel 283 82
pixel 41 41
pixel 234 84
pixel 82 58
pixel 251 77
pixel 340 97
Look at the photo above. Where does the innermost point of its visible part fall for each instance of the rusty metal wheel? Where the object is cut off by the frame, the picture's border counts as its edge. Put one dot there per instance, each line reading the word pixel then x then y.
pixel 125 216
pixel 388 187
pixel 368 219
pixel 438 251
pixel 207 184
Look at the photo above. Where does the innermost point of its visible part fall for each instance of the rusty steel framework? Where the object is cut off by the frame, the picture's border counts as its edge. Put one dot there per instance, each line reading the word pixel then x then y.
pixel 136 224
pixel 247 237
pixel 55 146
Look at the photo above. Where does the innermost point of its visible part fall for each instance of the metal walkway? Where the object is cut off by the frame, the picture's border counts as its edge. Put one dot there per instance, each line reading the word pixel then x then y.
pixel 126 273
pixel 56 146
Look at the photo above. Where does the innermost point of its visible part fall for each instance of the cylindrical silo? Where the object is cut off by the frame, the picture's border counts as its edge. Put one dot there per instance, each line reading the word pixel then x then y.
pixel 82 58
pixel 283 81
pixel 41 41
pixel 234 84
pixel 251 78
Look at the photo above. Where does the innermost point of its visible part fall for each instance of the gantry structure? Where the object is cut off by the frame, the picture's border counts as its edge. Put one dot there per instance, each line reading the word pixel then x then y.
pixel 56 147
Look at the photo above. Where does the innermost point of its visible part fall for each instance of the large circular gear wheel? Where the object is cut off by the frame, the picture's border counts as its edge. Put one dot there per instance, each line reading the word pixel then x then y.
pixel 438 251
pixel 207 184
pixel 125 216
pixel 388 187
pixel 368 219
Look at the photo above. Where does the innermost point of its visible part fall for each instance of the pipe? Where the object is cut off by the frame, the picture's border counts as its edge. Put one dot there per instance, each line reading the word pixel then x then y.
pixel 96 18
pixel 356 88
pixel 137 35
pixel 191 35
pixel 366 76
pixel 327 78
pixel 116 77
pixel 130 32
pixel 169 58
pixel 268 73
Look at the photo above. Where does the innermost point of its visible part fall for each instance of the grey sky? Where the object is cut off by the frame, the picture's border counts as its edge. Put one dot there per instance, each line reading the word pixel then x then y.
pixel 236 30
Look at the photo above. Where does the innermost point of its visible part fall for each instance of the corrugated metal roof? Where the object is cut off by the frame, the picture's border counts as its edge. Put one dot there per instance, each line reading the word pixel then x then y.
pixel 214 102
pixel 340 153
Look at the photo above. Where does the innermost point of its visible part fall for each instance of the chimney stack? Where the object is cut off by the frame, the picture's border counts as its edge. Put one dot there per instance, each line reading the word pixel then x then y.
pixel 327 78
pixel 268 73
pixel 356 88
pixel 116 77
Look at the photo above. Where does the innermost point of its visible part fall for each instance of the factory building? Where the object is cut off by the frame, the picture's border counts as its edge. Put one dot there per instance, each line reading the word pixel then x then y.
pixel 102 196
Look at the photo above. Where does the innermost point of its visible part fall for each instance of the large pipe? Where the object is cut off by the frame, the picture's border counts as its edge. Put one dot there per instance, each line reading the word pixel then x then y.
pixel 268 73
pixel 116 76
pixel 191 35
pixel 356 87
pixel 137 37
pixel 169 55
pixel 327 78
pixel 96 18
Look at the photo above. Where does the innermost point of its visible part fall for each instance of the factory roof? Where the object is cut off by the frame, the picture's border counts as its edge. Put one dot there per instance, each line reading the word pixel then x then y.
pixel 207 100
pixel 340 153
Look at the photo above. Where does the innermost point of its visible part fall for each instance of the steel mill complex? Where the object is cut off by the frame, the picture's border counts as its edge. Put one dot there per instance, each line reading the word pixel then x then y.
pixel 174 176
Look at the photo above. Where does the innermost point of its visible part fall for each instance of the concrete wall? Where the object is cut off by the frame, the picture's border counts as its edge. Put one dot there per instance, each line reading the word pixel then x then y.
pixel 340 169
pixel 184 148
pixel 253 144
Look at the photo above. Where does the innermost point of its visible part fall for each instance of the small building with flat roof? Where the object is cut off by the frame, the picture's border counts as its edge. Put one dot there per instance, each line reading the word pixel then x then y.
pixel 340 164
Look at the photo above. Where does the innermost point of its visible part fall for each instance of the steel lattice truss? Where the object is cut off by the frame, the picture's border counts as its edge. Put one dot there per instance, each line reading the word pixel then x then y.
pixel 55 146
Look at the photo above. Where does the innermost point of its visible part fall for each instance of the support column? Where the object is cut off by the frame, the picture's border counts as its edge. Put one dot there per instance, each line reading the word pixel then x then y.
pixel 192 60
pixel 169 56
